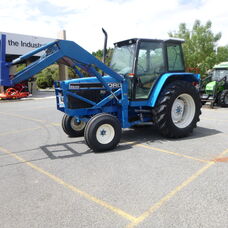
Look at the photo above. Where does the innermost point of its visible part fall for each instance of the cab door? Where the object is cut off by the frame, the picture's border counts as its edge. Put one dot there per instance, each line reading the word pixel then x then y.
pixel 150 65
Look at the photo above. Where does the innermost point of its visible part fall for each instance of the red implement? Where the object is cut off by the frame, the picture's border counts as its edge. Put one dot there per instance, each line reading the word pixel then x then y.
pixel 17 92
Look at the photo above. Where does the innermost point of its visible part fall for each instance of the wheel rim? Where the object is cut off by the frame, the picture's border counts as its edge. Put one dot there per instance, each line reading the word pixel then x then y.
pixel 77 126
pixel 105 133
pixel 183 110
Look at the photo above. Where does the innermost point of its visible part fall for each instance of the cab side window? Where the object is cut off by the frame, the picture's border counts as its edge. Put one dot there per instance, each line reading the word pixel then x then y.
pixel 175 59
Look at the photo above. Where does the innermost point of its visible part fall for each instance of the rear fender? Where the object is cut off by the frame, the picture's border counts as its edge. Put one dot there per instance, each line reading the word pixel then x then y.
pixel 166 79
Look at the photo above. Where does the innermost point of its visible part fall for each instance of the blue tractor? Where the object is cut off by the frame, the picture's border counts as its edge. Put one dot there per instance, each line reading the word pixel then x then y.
pixel 146 82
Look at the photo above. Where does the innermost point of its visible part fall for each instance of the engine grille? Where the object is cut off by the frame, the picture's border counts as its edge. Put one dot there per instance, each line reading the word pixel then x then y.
pixel 93 95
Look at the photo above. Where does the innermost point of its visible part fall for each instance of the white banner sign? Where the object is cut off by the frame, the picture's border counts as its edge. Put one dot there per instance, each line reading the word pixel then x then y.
pixel 17 44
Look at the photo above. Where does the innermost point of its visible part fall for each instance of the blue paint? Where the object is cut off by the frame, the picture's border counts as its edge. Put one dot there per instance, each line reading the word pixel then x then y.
pixel 4 66
pixel 111 89
pixel 162 80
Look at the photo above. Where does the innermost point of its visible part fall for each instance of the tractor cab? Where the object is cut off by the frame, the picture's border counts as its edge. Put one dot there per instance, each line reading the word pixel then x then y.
pixel 219 74
pixel 143 61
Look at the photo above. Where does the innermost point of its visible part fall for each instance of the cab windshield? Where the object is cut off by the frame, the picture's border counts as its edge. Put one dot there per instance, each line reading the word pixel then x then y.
pixel 123 59
pixel 219 74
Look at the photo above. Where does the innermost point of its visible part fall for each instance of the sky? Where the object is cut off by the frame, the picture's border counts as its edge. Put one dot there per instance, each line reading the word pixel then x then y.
pixel 122 19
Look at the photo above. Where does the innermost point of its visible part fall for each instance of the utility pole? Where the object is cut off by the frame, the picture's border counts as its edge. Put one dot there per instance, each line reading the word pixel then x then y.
pixel 63 71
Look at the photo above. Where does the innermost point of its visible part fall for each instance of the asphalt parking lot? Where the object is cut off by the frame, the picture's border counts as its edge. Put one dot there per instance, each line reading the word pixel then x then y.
pixel 50 180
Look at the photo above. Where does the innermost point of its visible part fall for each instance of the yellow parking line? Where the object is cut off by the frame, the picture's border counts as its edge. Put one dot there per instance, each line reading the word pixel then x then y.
pixel 169 152
pixel 55 124
pixel 71 187
pixel 19 131
pixel 29 118
pixel 220 156
pixel 157 205
pixel 34 108
pixel 28 129
pixel 23 117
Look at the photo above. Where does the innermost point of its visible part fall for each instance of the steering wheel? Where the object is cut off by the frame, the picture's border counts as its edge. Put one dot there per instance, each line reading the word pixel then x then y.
pixel 140 68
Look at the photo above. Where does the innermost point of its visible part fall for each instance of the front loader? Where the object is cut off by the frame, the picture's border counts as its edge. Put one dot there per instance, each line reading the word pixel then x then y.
pixel 145 83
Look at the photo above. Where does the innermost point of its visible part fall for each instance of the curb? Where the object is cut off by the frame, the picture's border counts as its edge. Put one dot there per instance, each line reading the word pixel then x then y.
pixel 37 98
pixel 27 99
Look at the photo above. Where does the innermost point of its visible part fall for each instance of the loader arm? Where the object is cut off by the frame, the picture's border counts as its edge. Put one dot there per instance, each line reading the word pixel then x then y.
pixel 63 51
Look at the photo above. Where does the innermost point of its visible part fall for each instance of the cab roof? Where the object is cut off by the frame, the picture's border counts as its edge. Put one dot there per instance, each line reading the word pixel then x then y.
pixel 134 40
pixel 223 65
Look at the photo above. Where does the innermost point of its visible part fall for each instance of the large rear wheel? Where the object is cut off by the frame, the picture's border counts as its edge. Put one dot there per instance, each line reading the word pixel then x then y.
pixel 223 98
pixel 102 132
pixel 72 127
pixel 178 109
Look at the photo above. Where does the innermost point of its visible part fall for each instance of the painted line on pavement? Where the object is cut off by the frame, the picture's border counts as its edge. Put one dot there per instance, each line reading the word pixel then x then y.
pixel 23 117
pixel 168 152
pixel 30 118
pixel 171 194
pixel 34 108
pixel 71 187
pixel 55 124
pixel 20 131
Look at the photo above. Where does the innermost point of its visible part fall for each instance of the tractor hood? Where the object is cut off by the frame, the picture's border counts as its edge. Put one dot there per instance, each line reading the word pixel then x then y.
pixel 89 82
pixel 210 86
pixel 84 93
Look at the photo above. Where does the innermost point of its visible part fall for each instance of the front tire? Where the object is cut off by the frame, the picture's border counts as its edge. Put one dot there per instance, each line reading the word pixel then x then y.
pixel 102 132
pixel 72 127
pixel 178 109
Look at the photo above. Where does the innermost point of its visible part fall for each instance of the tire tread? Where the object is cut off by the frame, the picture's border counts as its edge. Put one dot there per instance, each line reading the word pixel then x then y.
pixel 163 109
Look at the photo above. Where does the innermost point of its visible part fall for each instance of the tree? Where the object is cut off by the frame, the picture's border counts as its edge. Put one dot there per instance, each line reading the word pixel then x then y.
pixel 222 54
pixel 99 54
pixel 200 45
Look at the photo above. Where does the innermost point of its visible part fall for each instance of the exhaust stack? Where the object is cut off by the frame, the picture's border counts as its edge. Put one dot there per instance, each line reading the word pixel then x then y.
pixel 105 46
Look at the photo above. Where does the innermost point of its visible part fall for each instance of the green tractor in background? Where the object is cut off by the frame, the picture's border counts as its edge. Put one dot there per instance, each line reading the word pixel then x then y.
pixel 214 88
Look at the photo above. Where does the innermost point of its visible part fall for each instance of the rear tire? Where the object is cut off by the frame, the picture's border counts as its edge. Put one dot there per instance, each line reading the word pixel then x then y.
pixel 223 98
pixel 178 109
pixel 102 132
pixel 71 127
